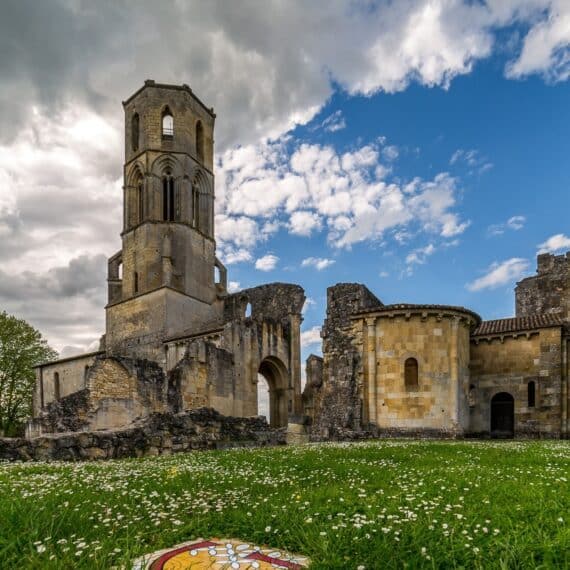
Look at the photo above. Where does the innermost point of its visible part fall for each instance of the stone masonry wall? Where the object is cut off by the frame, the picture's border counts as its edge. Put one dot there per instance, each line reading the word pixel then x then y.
pixel 508 365
pixel 159 434
pixel 338 403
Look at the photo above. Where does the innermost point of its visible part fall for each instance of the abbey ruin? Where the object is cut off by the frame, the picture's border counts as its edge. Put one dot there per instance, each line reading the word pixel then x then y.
pixel 176 340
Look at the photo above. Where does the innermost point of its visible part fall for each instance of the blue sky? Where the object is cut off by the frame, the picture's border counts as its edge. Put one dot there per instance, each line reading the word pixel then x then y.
pixel 510 139
pixel 419 147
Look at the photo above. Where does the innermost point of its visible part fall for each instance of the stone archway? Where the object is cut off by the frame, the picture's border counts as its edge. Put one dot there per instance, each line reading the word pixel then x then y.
pixel 276 375
pixel 502 415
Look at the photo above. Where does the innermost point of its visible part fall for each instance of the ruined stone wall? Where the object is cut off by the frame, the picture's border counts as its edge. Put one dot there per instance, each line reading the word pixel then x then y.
pixel 117 392
pixel 548 291
pixel 72 374
pixel 158 434
pixel 338 403
pixel 314 374
pixel 508 364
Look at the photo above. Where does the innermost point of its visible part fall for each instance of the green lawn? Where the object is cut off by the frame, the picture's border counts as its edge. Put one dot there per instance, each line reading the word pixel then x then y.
pixel 386 504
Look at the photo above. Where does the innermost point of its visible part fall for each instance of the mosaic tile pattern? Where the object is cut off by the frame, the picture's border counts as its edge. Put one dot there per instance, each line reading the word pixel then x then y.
pixel 220 554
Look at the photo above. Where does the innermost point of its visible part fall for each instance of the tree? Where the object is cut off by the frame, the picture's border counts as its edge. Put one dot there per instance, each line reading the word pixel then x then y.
pixel 21 348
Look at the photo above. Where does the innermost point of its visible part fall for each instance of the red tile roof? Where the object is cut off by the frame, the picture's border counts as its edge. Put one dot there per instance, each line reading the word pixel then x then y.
pixel 518 324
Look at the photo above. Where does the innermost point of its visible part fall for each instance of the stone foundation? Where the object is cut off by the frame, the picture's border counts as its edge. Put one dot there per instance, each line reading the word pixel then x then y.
pixel 159 434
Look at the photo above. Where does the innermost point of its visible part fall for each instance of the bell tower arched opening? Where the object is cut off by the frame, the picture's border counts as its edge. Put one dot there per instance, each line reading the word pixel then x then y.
pixel 275 374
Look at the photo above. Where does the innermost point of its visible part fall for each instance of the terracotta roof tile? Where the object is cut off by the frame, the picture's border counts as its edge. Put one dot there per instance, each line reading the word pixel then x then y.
pixel 518 324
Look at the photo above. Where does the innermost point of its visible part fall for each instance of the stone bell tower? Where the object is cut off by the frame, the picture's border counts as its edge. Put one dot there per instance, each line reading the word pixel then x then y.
pixel 164 281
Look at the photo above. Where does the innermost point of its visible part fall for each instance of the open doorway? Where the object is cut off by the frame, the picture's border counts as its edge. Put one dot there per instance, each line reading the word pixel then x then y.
pixel 502 416
pixel 273 391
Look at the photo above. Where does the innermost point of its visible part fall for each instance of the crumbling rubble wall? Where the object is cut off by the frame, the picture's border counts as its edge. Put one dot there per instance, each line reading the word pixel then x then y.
pixel 338 403
pixel 547 292
pixel 117 392
pixel 158 434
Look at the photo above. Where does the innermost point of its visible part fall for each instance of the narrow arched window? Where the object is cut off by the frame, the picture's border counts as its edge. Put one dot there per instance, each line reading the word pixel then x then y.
pixel 200 140
pixel 531 394
pixel 167 124
pixel 248 311
pixel 136 282
pixel 140 198
pixel 411 373
pixel 86 372
pixel 135 128
pixel 168 199
pixel 195 207
pixel 56 386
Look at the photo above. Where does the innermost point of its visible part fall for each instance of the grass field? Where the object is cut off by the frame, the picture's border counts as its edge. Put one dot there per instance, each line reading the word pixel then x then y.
pixel 388 504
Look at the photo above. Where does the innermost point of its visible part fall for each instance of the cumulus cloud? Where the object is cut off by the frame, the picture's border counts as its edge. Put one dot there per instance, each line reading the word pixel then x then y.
pixel 500 274
pixel 314 187
pixel 555 243
pixel 267 262
pixel 303 223
pixel 318 263
pixel 311 337
pixel 66 65
pixel 546 47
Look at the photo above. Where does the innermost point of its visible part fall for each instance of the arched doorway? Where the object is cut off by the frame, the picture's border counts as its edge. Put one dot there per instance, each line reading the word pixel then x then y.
pixel 502 415
pixel 276 375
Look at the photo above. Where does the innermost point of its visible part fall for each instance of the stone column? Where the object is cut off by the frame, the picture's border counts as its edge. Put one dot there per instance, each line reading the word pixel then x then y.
pixel 454 374
pixel 371 388
pixel 295 362
pixel 564 396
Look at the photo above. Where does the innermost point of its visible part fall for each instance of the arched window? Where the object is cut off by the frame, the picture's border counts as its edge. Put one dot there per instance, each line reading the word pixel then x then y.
pixel 86 372
pixel 411 373
pixel 56 386
pixel 136 282
pixel 195 207
pixel 135 127
pixel 168 202
pixel 531 394
pixel 140 199
pixel 200 140
pixel 167 124
pixel 248 311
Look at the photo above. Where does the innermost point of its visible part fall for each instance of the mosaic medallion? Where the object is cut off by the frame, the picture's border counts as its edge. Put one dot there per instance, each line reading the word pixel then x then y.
pixel 220 554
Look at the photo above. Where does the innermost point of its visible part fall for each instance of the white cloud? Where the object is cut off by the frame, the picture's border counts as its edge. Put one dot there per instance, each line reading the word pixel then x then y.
pixel 419 256
pixel 61 122
pixel 513 223
pixel 311 337
pixel 315 187
pixel 234 287
pixel 267 262
pixel 334 122
pixel 319 263
pixel 473 159
pixel 500 274
pixel 554 244
pixel 309 302
pixel 545 49
pixel 304 223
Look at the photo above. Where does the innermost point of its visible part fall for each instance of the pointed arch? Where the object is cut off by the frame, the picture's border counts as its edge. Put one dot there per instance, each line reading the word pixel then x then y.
pixel 135 197
pixel 202 202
